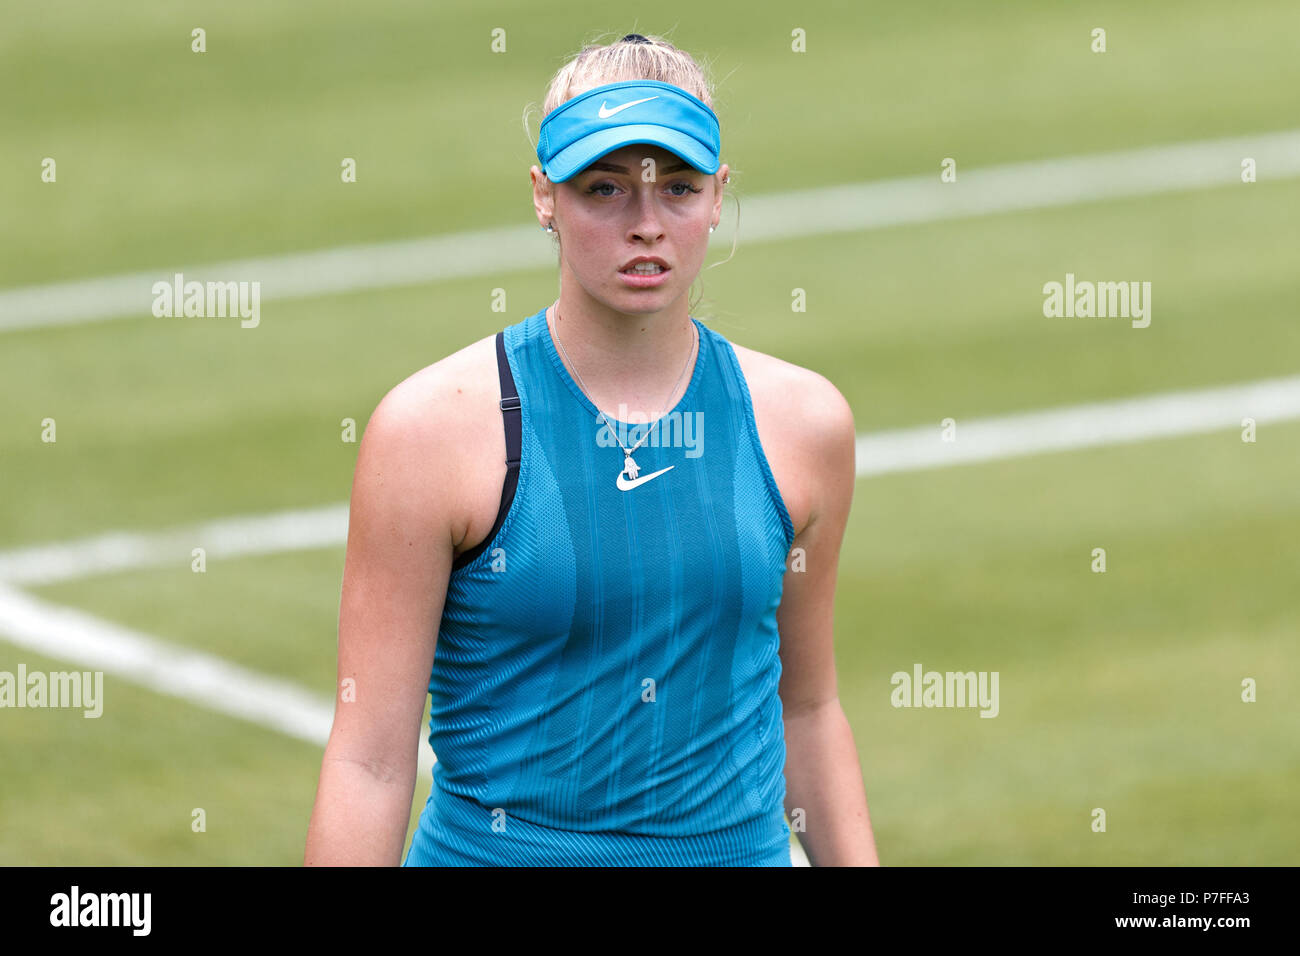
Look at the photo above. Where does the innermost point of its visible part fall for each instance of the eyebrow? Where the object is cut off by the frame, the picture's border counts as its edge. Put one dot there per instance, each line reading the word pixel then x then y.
pixel 610 167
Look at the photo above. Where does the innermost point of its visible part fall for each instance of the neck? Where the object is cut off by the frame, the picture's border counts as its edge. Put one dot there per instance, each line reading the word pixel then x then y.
pixel 626 362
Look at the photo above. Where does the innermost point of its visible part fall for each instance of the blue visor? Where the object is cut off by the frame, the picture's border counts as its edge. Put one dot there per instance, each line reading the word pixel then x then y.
pixel 581 130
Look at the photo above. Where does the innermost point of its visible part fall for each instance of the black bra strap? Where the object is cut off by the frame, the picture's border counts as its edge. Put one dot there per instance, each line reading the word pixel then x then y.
pixel 510 411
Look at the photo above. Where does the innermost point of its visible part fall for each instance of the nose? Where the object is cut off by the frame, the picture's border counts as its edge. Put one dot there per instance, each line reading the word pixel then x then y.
pixel 646 225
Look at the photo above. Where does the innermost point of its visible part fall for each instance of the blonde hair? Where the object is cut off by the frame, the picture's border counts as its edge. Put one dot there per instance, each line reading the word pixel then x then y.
pixel 619 61
pixel 656 59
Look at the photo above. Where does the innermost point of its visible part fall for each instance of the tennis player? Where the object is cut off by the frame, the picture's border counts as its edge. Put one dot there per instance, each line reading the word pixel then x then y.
pixel 618 531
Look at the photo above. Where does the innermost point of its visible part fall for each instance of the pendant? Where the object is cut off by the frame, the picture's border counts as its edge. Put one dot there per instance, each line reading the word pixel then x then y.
pixel 629 467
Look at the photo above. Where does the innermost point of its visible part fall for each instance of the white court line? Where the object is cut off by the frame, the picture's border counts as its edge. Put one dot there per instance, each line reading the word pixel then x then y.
pixel 1080 426
pixel 878 453
pixel 73 635
pixel 297 530
pixel 849 208
pixel 195 677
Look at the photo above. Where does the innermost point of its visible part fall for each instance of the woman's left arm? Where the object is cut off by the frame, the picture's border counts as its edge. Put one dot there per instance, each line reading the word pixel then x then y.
pixel 824 788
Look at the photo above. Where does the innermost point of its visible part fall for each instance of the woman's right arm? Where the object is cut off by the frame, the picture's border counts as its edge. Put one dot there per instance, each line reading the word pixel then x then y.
pixel 399 556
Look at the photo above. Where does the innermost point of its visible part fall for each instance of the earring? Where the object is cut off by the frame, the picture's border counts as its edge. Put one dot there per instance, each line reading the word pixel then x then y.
pixel 549 227
pixel 711 228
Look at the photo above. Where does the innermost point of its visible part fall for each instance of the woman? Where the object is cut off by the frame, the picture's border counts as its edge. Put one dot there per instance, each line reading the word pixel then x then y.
pixel 603 579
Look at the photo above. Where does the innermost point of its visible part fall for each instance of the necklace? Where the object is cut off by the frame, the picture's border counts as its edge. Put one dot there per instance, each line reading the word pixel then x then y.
pixel 630 468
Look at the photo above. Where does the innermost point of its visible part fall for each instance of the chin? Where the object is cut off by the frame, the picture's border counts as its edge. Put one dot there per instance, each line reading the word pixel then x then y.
pixel 644 306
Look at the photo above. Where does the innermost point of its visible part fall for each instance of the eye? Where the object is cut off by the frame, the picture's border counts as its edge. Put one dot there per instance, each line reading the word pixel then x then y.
pixel 685 189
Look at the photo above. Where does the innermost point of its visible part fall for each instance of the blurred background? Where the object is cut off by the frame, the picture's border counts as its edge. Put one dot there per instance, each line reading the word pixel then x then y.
pixel 1119 690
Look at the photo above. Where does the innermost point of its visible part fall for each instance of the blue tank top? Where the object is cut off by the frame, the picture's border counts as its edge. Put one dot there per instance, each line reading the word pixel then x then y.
pixel 604 688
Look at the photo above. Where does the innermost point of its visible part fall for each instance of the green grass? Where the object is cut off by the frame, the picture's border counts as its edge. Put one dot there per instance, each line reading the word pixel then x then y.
pixel 121 789
pixel 1119 690
pixel 167 156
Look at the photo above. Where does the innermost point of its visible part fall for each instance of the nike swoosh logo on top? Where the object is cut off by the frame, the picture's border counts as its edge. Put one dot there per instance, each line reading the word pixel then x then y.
pixel 625 485
pixel 606 112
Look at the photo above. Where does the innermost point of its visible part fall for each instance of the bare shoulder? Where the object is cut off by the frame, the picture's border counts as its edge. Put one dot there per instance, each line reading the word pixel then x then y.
pixel 433 429
pixel 815 395
pixel 427 407
pixel 805 426
pixel 446 380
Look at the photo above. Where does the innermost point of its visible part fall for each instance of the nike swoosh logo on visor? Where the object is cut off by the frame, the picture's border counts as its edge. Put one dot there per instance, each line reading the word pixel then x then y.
pixel 625 485
pixel 606 112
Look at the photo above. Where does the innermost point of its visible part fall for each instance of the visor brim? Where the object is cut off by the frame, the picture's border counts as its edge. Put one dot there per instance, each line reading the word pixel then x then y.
pixel 576 157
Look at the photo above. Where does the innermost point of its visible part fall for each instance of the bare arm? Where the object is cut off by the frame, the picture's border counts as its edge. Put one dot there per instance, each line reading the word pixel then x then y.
pixel 399 556
pixel 824 779
pixel 824 789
